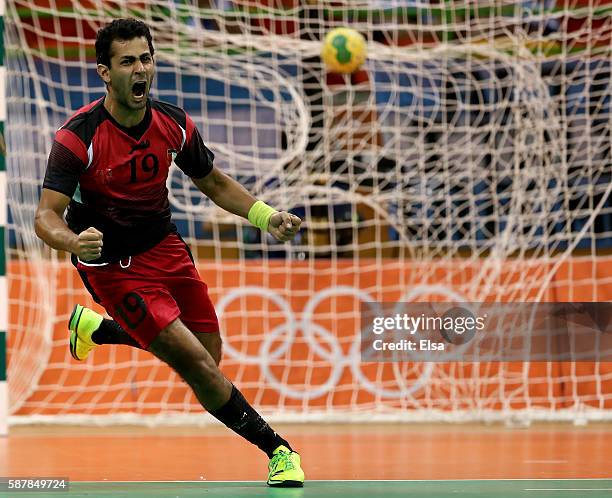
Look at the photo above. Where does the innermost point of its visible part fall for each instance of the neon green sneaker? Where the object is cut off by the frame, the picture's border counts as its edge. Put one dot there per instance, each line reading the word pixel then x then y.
pixel 284 469
pixel 83 322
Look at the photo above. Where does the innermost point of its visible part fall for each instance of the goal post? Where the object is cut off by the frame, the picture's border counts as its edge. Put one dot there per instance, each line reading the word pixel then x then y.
pixel 469 158
pixel 3 218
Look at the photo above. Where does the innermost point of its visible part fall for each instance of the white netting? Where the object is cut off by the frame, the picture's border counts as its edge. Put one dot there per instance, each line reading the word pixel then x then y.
pixel 470 159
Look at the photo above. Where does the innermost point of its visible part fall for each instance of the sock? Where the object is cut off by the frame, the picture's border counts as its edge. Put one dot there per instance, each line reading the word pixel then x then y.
pixel 110 332
pixel 242 418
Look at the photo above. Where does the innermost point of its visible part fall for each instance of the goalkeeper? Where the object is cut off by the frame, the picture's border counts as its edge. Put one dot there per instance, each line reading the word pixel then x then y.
pixel 108 168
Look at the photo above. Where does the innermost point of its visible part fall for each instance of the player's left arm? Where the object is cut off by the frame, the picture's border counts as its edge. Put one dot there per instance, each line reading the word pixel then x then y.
pixel 196 161
pixel 230 195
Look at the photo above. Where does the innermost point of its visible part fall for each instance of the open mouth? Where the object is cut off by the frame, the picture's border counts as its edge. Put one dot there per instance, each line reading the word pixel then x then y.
pixel 139 88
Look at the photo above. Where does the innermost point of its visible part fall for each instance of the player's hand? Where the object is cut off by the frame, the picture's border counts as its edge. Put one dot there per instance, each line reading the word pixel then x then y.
pixel 283 226
pixel 89 244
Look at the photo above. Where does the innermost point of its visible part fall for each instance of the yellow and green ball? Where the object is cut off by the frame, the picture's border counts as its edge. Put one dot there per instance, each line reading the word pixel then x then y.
pixel 344 50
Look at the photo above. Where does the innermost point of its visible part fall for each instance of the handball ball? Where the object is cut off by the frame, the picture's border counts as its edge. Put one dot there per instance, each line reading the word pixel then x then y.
pixel 344 50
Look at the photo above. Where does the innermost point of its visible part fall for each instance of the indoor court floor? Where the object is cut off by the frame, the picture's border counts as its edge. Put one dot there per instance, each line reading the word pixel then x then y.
pixel 390 460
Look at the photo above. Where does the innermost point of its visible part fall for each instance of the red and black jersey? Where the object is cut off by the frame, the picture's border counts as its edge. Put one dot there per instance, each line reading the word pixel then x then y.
pixel 116 176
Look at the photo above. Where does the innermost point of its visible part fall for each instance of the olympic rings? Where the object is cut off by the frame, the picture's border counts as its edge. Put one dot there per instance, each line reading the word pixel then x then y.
pixel 315 334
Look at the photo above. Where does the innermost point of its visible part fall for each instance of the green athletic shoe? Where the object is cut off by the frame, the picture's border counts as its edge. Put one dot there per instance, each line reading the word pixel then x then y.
pixel 284 469
pixel 83 322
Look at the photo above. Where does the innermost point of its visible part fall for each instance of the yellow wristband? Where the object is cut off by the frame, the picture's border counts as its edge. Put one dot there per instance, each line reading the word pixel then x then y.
pixel 260 214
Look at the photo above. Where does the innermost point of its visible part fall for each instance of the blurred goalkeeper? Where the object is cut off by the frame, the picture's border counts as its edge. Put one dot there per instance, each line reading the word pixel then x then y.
pixel 108 168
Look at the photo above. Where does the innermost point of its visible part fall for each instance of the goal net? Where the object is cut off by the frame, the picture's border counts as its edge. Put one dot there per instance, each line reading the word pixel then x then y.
pixel 467 160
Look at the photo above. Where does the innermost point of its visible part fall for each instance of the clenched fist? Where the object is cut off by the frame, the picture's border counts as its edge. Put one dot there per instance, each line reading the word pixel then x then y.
pixel 283 226
pixel 89 244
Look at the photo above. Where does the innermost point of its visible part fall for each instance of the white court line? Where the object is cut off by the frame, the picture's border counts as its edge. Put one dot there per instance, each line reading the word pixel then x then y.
pixel 580 479
pixel 567 489
pixel 545 461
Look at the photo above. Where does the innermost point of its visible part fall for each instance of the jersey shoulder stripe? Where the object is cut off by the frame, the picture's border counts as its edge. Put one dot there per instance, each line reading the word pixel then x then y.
pixel 178 115
pixel 86 121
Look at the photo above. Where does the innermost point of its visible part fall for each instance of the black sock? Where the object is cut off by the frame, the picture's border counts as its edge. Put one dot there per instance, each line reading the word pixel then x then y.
pixel 110 332
pixel 242 418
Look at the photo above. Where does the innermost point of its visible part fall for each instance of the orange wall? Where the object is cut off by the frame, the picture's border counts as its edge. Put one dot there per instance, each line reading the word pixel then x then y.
pixel 453 385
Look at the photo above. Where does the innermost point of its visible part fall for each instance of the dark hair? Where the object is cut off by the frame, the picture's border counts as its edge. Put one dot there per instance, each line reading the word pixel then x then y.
pixel 120 29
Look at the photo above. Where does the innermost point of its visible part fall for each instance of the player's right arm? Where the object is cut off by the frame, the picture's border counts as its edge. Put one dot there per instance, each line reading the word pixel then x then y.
pixel 65 164
pixel 50 226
